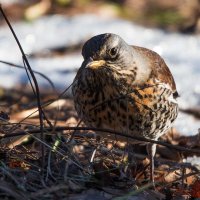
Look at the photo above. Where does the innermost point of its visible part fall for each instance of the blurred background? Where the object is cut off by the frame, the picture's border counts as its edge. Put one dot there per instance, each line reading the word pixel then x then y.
pixel 52 33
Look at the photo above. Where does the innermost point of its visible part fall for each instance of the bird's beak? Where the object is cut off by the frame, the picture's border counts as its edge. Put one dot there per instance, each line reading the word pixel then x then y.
pixel 95 64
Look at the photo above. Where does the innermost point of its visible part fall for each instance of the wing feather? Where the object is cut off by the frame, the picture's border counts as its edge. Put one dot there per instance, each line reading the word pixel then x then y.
pixel 159 68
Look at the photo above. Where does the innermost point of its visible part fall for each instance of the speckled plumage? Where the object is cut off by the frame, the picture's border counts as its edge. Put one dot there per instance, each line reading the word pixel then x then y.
pixel 124 88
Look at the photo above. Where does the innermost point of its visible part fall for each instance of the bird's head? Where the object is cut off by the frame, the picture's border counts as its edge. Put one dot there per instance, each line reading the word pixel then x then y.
pixel 108 54
pixel 105 51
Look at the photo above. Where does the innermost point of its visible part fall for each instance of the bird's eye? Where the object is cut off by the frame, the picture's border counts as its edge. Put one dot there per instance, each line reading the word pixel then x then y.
pixel 113 52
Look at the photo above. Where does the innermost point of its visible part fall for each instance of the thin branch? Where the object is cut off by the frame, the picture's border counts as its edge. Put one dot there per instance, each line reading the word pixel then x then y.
pixel 34 80
pixel 36 72
pixel 134 137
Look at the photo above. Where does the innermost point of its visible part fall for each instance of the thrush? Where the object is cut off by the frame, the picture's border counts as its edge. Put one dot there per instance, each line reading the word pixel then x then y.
pixel 125 88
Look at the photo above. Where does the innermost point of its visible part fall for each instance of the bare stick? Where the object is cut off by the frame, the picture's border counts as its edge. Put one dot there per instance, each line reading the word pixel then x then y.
pixel 134 137
pixel 36 72
pixel 37 91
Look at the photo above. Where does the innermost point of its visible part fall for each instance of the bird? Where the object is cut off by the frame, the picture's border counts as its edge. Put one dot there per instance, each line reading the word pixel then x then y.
pixel 125 88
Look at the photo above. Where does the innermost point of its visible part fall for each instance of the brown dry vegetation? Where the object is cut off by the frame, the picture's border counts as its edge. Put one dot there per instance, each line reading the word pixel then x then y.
pixel 77 163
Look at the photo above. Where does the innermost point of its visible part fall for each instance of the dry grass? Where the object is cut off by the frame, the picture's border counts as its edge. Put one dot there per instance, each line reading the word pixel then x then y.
pixel 79 164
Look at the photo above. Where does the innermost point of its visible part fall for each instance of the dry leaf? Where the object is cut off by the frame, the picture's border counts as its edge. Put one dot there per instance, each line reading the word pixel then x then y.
pixel 195 191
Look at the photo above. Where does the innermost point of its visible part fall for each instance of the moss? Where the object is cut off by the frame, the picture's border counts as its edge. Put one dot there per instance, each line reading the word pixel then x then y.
pixel 152 16
pixel 165 17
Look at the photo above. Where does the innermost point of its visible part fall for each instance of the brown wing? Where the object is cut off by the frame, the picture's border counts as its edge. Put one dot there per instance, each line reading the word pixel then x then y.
pixel 159 68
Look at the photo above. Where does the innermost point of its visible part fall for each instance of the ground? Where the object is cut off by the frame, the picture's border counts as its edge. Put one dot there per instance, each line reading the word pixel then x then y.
pixel 80 164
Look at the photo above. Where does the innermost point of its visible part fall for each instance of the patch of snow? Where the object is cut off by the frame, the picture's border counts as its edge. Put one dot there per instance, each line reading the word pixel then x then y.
pixel 193 160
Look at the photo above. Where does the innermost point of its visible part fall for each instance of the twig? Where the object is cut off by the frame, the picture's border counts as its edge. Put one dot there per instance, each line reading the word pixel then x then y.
pixel 49 190
pixel 5 170
pixel 11 191
pixel 192 111
pixel 134 137
pixel 35 83
pixel 58 152
pixel 36 72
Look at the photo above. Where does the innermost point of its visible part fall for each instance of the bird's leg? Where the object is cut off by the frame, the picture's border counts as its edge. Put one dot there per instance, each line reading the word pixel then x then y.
pixel 151 150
